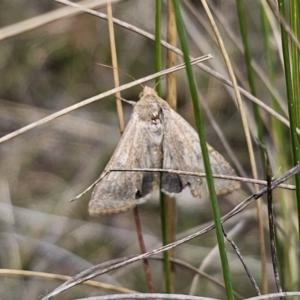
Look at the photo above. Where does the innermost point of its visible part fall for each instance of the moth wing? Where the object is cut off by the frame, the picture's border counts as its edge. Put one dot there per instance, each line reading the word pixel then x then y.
pixel 182 151
pixel 118 191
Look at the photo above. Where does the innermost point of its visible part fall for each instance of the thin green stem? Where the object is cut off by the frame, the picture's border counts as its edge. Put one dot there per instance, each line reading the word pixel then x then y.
pixel 250 73
pixel 259 125
pixel 278 135
pixel 208 171
pixel 158 58
pixel 163 212
pixel 293 104
pixel 295 25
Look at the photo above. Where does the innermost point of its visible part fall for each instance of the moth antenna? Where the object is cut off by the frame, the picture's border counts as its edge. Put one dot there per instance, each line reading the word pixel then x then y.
pixel 156 84
pixel 133 103
pixel 141 94
pixel 111 67
pixel 277 173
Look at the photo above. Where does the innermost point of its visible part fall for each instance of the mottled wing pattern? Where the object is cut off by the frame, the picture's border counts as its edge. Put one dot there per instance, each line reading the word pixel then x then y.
pixel 118 191
pixel 182 151
pixel 155 137
pixel 220 166
pixel 139 148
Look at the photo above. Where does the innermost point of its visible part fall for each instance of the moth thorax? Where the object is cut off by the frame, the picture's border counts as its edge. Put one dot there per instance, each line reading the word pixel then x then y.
pixel 156 156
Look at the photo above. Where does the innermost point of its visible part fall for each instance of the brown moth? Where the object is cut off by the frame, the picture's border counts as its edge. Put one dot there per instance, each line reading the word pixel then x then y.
pixel 155 137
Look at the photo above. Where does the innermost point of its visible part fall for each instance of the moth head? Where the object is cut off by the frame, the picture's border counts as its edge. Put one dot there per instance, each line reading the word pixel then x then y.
pixel 150 110
pixel 148 91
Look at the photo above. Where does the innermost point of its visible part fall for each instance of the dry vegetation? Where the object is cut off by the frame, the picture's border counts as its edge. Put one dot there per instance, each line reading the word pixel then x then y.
pixel 56 64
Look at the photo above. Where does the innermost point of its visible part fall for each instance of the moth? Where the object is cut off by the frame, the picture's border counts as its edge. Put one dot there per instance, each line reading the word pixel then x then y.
pixel 155 137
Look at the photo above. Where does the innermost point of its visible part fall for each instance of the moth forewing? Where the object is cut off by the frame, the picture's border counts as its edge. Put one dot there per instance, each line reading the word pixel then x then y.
pixel 155 137
pixel 110 195
pixel 139 147
pixel 220 166
pixel 182 151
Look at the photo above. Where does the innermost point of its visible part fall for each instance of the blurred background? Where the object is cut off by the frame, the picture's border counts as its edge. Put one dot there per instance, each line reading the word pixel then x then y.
pixel 57 64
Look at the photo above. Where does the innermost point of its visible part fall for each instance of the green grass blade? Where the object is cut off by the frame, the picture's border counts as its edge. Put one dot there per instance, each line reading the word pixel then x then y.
pixel 293 103
pixel 259 125
pixel 158 57
pixel 278 134
pixel 163 212
pixel 247 54
pixel 208 171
